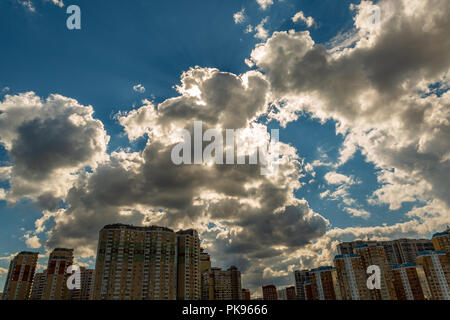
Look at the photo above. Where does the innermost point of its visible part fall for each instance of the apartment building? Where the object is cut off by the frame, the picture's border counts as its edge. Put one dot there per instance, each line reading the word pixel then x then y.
pixel 20 276
pixel 135 263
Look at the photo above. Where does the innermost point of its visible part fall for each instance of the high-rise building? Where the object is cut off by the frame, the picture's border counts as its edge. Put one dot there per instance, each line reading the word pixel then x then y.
pixel 300 277
pixel 135 263
pixel 348 247
pixel 55 287
pixel 441 242
pixel 287 293
pixel 205 261
pixel 437 270
pixel 39 281
pixel 216 284
pixel 246 295
pixel 270 292
pixel 281 294
pixel 322 285
pixel 236 284
pixel 375 254
pixel 398 251
pixel 86 285
pixel 350 277
pixel 405 250
pixel 20 276
pixel 308 290
pixel 410 282
pixel 188 275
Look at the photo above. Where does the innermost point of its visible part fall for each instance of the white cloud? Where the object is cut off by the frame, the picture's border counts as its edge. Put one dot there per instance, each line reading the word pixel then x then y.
pixel 264 4
pixel 383 106
pixel 58 3
pixel 261 32
pixel 27 4
pixel 139 88
pixel 338 178
pixel 300 16
pixel 50 142
pixel 239 17
pixel 360 213
pixel 32 242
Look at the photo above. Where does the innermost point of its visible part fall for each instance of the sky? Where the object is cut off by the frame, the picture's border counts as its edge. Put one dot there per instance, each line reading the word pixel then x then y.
pixel 88 119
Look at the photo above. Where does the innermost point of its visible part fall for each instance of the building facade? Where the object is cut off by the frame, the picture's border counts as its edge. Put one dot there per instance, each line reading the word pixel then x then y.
pixel 301 276
pixel 20 276
pixel 188 274
pixel 270 292
pixel 246 295
pixel 55 287
pixel 39 281
pixel 410 282
pixel 437 270
pixel 350 279
pixel 216 284
pixel 135 263
pixel 441 242
pixel 375 254
pixel 397 252
pixel 322 285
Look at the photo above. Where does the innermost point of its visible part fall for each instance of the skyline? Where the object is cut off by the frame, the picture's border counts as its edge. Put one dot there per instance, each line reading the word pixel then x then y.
pixel 88 117
pixel 157 263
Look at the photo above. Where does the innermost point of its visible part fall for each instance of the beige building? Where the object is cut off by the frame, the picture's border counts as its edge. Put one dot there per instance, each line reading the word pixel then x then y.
pixel 441 242
pixel 205 261
pixel 437 270
pixel 410 282
pixel 375 254
pixel 188 265
pixel 398 251
pixel 55 286
pixel 218 284
pixel 86 282
pixel 39 281
pixel 20 276
pixel 321 284
pixel 350 278
pixel 135 263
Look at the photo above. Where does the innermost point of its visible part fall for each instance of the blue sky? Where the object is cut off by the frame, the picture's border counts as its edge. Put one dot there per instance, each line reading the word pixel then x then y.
pixel 126 43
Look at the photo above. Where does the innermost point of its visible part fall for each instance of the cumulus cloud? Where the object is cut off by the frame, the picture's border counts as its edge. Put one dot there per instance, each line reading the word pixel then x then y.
pixel 377 90
pixel 239 17
pixel 361 213
pixel 32 242
pixel 257 219
pixel 379 85
pixel 261 32
pixel 338 178
pixel 264 4
pixel 49 142
pixel 139 88
pixel 300 17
